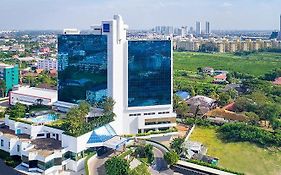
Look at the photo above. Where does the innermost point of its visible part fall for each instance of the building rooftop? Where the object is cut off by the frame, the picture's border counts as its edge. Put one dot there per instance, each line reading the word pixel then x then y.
pixel 36 92
pixel 201 100
pixel 28 59
pixel 194 146
pixel 277 81
pixel 11 134
pixel 220 76
pixel 2 65
pixel 222 113
pixel 46 146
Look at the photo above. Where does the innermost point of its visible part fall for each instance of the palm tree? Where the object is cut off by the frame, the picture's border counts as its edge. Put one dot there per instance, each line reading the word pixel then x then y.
pixel 39 101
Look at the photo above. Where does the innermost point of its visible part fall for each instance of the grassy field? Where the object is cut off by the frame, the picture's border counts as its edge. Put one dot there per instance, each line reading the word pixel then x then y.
pixel 241 157
pixel 256 64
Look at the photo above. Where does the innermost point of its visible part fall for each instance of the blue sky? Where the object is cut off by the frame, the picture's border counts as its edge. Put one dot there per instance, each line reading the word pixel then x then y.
pixel 140 14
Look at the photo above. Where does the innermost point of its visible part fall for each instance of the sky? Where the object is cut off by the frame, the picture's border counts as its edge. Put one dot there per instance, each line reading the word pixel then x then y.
pixel 140 14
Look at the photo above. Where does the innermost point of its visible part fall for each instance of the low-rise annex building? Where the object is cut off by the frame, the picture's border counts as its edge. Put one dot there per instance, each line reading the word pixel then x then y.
pixel 32 96
pixel 48 150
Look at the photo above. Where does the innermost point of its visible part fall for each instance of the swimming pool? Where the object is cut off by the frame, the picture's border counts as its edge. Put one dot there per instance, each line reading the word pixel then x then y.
pixel 45 118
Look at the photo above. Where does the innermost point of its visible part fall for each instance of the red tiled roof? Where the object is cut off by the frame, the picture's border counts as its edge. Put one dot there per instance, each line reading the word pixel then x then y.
pixel 53 71
pixel 220 76
pixel 230 107
pixel 39 71
pixel 277 81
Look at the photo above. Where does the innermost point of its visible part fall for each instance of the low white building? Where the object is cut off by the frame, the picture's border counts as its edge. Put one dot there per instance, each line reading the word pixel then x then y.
pixel 32 96
pixel 47 64
pixel 49 151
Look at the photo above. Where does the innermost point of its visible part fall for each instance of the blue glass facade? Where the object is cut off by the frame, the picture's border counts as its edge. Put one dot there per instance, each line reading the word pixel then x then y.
pixel 82 68
pixel 149 73
pixel 102 134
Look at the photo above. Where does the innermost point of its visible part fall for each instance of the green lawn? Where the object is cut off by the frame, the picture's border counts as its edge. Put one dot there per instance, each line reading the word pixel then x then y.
pixel 241 157
pixel 256 64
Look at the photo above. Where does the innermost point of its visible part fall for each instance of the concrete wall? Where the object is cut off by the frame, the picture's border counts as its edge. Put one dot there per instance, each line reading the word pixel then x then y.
pixel 75 144
pixel 20 98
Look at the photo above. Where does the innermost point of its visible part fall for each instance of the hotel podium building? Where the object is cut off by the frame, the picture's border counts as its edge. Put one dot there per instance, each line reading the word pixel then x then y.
pixel 137 74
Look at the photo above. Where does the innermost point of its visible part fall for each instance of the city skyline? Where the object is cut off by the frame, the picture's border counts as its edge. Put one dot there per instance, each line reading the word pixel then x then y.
pixel 224 15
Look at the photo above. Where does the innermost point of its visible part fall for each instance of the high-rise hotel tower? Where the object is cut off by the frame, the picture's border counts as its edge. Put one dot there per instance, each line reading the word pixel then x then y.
pixel 137 74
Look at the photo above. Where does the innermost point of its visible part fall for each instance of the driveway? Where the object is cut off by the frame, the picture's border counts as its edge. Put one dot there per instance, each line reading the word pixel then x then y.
pixel 96 164
pixel 160 165
pixel 7 170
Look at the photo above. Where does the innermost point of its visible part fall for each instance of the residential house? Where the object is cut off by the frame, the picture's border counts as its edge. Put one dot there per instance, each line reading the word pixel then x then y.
pixel 199 105
pixel 221 78
pixel 208 70
pixel 220 116
pixel 277 81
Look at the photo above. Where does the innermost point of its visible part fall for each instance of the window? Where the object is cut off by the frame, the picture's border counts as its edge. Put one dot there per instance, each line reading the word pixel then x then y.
pixel 2 142
pixel 40 135
pixel 149 73
pixel 106 28
pixel 151 113
pixel 18 148
pixel 9 145
pixel 134 115
pixel 167 112
pixel 86 56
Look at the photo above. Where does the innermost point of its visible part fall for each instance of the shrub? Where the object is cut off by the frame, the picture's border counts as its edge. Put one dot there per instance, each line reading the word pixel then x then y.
pixel 176 144
pixel 171 157
pixel 145 151
pixel 241 132
pixel 117 166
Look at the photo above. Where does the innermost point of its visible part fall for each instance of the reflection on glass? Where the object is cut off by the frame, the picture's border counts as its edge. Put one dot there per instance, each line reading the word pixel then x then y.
pixel 82 70
pixel 149 73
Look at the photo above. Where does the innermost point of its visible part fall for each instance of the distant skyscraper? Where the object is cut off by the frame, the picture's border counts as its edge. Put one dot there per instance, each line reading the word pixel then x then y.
pixel 191 30
pixel 207 28
pixel 164 30
pixel 184 31
pixel 198 28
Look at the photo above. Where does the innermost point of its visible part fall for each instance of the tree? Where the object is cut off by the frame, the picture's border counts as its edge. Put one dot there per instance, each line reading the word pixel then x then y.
pixel 117 166
pixel 108 104
pixel 76 124
pixel 252 118
pixel 241 132
pixel 3 87
pixel 229 78
pixel 176 101
pixel 145 151
pixel 276 124
pixel 271 76
pixel 17 111
pixel 208 47
pixel 74 121
pixel 171 157
pixel 177 145
pixel 84 107
pixel 233 93
pixel 269 111
pixel 224 99
pixel 244 104
pixel 182 109
pixel 192 91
